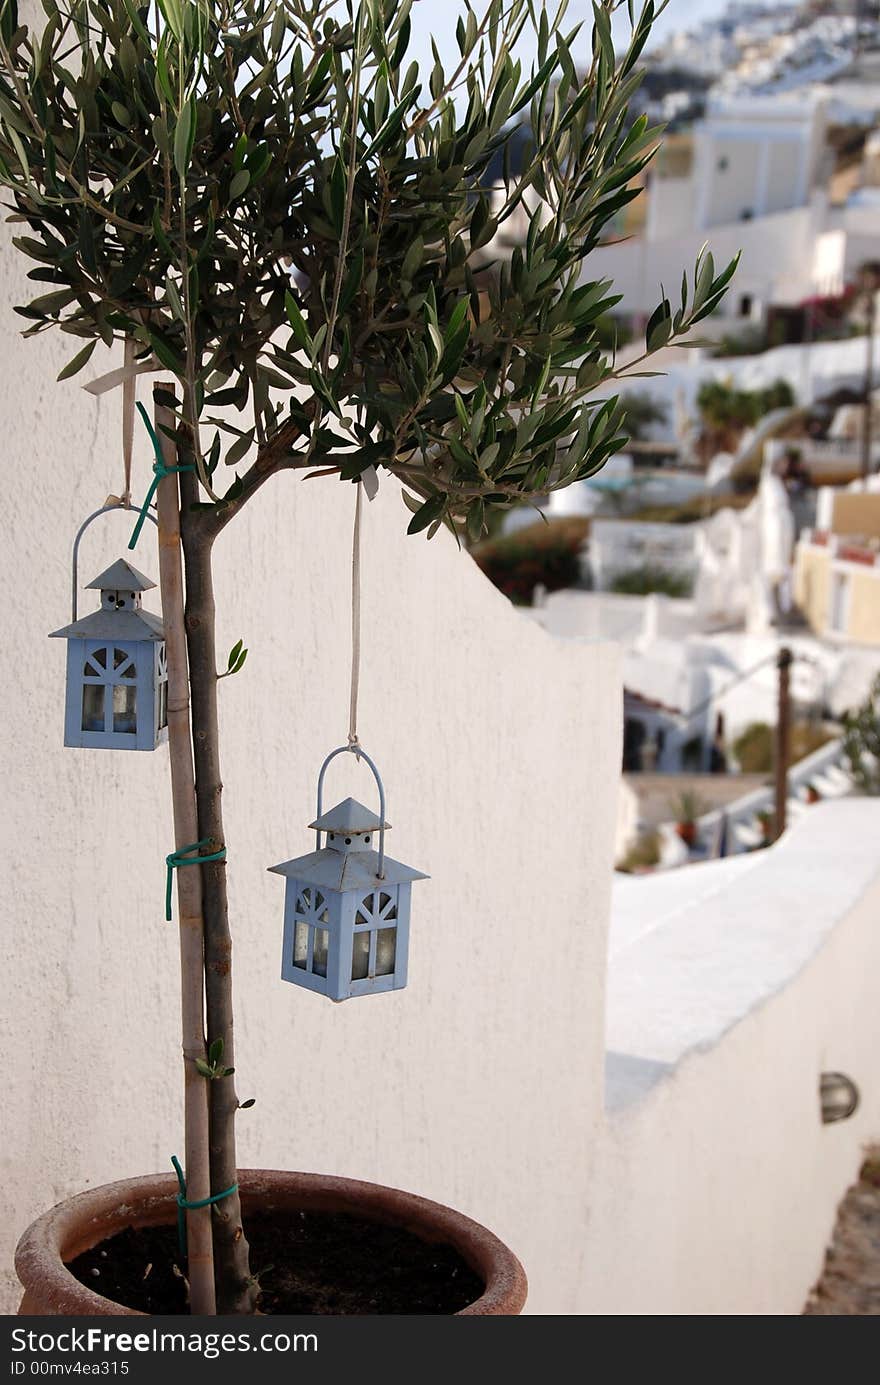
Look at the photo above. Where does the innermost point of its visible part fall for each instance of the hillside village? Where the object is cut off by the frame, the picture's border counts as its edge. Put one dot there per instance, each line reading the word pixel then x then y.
pixel 744 515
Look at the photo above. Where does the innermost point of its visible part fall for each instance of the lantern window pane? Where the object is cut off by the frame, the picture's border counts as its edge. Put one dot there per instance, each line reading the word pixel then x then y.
pixel 91 670
pixel 119 658
pixel 301 945
pixel 304 903
pixel 319 952
pixel 361 917
pixel 99 656
pixel 360 956
pixel 130 672
pixel 386 949
pixel 124 707
pixel 163 705
pixel 93 707
pixel 387 906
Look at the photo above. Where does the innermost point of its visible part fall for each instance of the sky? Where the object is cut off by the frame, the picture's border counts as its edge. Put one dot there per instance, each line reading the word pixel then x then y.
pixel 437 18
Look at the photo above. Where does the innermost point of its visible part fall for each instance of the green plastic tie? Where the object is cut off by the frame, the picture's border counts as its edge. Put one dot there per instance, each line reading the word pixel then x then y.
pixel 183 1206
pixel 183 858
pixel 160 470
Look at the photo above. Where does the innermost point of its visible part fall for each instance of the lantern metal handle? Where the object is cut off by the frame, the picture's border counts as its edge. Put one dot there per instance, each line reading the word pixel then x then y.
pixel 359 751
pixel 104 510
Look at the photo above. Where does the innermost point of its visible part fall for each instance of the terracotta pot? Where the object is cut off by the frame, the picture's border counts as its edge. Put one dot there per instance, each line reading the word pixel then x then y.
pixel 83 1221
pixel 687 831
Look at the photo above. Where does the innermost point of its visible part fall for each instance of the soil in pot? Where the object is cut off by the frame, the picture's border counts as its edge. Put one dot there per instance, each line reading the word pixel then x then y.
pixel 306 1262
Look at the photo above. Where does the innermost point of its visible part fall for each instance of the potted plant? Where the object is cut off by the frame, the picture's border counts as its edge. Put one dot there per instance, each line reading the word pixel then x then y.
pixel 686 808
pixel 766 819
pixel 274 207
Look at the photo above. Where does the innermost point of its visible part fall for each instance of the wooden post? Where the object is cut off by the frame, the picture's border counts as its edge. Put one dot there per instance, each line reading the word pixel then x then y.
pixel 783 724
pixel 189 882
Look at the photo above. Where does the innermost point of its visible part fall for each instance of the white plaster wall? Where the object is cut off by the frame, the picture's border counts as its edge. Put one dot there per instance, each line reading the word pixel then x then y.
pixel 484 728
pixel 724 1007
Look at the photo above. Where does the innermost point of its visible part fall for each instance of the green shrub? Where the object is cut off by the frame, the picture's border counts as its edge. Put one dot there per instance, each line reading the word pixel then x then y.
pixel 546 553
pixel 642 854
pixel 640 581
pixel 861 741
pixel 754 747
pixel 723 406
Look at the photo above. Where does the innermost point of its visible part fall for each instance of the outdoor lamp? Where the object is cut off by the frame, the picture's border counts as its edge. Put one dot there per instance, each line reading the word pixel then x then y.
pixel 838 1096
pixel 117 677
pixel 346 907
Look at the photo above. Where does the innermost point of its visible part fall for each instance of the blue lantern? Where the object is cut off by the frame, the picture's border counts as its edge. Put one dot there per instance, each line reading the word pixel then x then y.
pixel 117 677
pixel 346 908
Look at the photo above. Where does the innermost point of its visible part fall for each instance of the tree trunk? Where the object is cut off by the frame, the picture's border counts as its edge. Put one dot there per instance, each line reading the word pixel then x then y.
pixel 237 1292
pixel 200 1263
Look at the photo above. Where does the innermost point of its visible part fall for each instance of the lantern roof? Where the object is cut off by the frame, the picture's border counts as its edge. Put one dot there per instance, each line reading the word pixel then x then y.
pixel 354 870
pixel 113 625
pixel 121 577
pixel 350 817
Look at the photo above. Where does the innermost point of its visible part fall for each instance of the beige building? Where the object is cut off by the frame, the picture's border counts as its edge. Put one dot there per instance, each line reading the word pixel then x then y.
pixel 837 571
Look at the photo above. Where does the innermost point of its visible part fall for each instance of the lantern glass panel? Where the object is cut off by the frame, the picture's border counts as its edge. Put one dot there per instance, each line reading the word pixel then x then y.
pixel 360 956
pixel 100 657
pixel 301 945
pixel 93 707
pixel 319 954
pixel 384 901
pixel 124 707
pixel 386 948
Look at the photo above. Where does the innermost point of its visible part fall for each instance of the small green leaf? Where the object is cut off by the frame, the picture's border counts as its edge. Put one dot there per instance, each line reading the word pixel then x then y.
pixel 244 1105
pixel 427 513
pixel 297 322
pixel 412 260
pixel 239 182
pixel 659 326
pixel 215 1052
pixel 240 448
pixel 203 1068
pixel 78 361
pixel 475 520
pixel 184 137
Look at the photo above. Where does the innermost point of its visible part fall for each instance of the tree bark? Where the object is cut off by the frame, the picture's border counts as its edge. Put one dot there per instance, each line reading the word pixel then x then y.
pixel 200 1258
pixel 237 1291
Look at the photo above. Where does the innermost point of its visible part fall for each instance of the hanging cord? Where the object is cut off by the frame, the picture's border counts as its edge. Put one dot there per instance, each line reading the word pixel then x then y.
pixel 160 470
pixel 183 1206
pixel 128 391
pixel 353 741
pixel 183 858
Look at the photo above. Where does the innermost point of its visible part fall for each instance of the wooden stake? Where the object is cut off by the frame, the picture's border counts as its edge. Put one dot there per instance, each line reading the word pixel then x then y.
pixel 189 882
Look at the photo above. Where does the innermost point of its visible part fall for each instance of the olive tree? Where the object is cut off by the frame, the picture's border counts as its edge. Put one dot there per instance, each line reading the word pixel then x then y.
pixel 271 202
